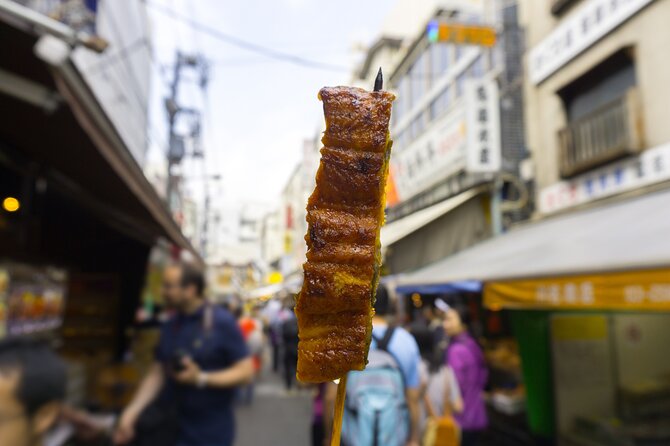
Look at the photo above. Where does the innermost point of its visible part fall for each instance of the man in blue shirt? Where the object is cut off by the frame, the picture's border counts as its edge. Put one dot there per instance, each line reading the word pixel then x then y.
pixel 200 358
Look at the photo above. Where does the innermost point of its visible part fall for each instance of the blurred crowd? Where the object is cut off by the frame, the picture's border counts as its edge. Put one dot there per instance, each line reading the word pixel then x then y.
pixel 423 385
pixel 424 382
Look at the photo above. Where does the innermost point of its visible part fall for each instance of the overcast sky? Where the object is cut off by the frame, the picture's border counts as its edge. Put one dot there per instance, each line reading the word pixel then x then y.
pixel 260 109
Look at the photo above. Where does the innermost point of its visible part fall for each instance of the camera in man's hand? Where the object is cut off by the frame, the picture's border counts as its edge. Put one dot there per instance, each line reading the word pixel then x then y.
pixel 178 360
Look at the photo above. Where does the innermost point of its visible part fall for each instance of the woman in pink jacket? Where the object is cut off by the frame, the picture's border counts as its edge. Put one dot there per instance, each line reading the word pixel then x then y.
pixel 466 359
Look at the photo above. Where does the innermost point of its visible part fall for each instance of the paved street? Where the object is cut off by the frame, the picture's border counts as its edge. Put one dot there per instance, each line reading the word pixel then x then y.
pixel 274 418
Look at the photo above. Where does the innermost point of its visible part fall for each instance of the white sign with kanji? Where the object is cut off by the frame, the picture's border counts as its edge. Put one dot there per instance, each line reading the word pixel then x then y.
pixel 650 167
pixel 432 157
pixel 483 126
pixel 588 24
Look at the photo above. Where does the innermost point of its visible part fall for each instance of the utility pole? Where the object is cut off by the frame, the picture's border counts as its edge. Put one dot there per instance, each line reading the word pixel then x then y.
pixel 174 153
pixel 177 148
pixel 205 224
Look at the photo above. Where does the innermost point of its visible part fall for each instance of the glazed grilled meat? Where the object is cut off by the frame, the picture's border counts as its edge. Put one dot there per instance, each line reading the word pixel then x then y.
pixel 344 215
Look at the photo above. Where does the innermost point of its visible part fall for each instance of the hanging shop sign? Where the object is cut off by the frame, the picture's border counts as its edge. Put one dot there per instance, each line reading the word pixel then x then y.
pixel 652 166
pixel 483 126
pixel 461 33
pixel 579 31
pixel 628 290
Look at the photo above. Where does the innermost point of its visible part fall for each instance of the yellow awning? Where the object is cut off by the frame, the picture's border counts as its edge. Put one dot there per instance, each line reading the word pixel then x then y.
pixel 616 256
pixel 627 290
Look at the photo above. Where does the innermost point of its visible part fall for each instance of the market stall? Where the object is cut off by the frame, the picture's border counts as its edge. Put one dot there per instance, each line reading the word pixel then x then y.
pixel 82 219
pixel 588 297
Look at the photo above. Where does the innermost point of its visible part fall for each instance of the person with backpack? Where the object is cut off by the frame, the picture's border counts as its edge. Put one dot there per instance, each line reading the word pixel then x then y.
pixel 382 401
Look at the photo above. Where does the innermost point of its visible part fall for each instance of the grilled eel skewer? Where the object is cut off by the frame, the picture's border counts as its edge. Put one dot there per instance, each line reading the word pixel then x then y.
pixel 344 215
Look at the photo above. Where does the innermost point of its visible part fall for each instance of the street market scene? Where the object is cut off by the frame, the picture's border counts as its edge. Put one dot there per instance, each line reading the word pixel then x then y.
pixel 357 223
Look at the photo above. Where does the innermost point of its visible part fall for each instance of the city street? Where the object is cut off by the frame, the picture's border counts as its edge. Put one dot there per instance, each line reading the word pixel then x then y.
pixel 195 192
pixel 274 418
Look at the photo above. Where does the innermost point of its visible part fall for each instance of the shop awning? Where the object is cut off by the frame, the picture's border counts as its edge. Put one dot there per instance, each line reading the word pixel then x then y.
pixel 581 259
pixel 470 286
pixel 66 132
pixel 400 229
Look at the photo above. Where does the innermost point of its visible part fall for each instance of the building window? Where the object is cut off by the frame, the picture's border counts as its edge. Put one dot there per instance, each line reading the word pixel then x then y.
pixel 604 83
pixel 440 104
pixel 402 103
pixel 460 81
pixel 477 68
pixel 418 76
pixel 603 111
pixel 439 52
pixel 416 127
pixel 399 141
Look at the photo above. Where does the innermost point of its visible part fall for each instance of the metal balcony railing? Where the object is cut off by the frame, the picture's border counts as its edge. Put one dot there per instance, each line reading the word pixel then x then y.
pixel 611 131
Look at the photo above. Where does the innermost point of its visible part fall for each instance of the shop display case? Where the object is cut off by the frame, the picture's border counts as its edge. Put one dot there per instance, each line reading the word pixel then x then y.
pixel 32 299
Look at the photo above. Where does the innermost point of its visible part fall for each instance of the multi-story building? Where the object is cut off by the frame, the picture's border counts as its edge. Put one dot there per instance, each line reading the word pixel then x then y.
pixel 292 219
pixel 282 241
pixel 593 264
pixel 272 245
pixel 452 145
pixel 121 75
pixel 597 91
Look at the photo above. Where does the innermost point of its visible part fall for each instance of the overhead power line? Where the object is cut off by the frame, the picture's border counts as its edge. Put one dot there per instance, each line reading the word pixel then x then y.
pixel 119 56
pixel 244 44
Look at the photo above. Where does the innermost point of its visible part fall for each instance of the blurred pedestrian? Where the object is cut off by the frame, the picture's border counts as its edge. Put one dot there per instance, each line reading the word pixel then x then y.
pixel 383 400
pixel 466 359
pixel 252 330
pixel 439 391
pixel 200 359
pixel 317 429
pixel 32 389
pixel 271 314
pixel 289 335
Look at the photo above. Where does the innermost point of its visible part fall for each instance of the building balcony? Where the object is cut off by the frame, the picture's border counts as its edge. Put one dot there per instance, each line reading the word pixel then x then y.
pixel 611 131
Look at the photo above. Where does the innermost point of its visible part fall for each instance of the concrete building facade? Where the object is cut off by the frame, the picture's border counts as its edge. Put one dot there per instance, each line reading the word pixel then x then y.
pixel 596 98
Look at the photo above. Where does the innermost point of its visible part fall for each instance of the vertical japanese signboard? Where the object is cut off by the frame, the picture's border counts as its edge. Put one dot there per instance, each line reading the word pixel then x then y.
pixel 483 126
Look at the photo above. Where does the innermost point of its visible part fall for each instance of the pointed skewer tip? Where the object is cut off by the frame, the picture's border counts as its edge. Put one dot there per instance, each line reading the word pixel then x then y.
pixel 379 80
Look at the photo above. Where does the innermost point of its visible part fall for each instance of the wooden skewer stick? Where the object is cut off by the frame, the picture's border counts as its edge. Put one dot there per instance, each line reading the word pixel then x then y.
pixel 339 411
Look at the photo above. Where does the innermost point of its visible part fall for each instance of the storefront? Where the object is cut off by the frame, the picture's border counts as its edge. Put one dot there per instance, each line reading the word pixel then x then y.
pixel 78 217
pixel 605 335
pixel 587 295
pixel 437 231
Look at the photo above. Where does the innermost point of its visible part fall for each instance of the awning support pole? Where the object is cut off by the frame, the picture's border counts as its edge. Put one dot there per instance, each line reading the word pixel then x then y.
pixel 496 205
